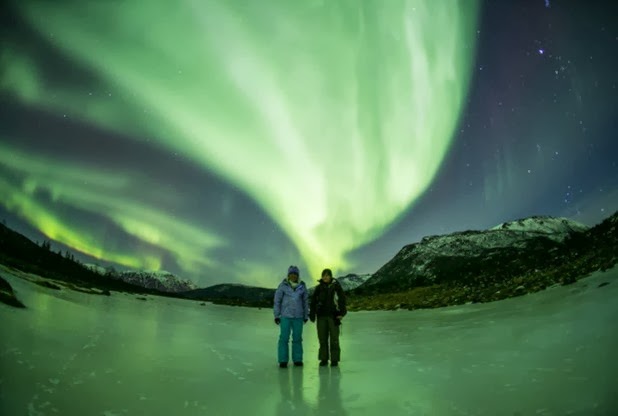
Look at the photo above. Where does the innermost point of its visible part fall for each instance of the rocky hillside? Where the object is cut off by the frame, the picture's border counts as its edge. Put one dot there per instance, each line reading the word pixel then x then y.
pixel 157 280
pixel 19 253
pixel 500 253
pixel 7 296
pixel 513 259
pixel 352 281
pixel 555 228
pixel 508 260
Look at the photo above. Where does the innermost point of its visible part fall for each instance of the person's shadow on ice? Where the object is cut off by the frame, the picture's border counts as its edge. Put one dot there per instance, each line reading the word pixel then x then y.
pixel 291 399
pixel 329 394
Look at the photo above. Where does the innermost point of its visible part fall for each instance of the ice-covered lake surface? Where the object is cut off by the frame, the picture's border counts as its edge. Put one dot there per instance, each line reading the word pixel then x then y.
pixel 550 353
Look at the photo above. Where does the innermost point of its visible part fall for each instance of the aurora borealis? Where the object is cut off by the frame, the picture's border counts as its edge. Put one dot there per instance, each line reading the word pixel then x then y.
pixel 224 140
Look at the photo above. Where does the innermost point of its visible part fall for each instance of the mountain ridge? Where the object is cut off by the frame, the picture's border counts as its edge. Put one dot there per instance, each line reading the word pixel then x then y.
pixel 248 295
pixel 465 254
pixel 510 259
pixel 160 280
pixel 417 277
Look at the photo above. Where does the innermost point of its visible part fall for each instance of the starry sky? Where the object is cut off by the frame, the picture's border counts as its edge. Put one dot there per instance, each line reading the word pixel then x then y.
pixel 225 140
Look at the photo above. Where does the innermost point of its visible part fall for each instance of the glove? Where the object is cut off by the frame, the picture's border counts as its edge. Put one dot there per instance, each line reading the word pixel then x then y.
pixel 277 321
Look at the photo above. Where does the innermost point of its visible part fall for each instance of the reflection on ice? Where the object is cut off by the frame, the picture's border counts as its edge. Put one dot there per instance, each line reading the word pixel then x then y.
pixel 549 353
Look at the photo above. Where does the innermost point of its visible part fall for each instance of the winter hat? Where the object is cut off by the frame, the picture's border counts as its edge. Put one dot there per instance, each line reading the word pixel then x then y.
pixel 293 270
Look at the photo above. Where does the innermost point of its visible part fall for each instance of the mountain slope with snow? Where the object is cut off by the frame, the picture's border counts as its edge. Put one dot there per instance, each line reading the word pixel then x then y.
pixel 158 280
pixel 348 282
pixel 555 228
pixel 352 281
pixel 509 249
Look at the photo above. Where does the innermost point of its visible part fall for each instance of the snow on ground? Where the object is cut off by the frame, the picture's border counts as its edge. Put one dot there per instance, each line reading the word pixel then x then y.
pixel 550 353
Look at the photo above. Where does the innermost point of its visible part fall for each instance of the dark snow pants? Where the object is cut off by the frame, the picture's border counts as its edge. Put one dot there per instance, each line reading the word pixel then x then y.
pixel 328 331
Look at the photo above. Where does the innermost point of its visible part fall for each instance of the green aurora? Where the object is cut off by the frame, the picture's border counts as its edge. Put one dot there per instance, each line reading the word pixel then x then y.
pixel 100 192
pixel 334 116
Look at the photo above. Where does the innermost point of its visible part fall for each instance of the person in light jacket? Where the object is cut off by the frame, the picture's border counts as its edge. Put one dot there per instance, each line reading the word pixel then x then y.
pixel 291 310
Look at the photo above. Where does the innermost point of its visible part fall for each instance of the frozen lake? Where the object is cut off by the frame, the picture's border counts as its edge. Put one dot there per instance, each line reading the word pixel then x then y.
pixel 550 353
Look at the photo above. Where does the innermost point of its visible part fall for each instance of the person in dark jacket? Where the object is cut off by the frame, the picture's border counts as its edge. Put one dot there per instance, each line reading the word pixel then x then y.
pixel 328 307
pixel 291 311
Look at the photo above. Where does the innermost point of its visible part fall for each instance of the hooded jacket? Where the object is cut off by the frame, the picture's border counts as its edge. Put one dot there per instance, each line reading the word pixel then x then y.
pixel 328 300
pixel 291 302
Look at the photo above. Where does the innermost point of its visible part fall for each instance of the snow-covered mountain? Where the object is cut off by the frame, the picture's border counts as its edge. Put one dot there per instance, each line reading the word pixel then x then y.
pixel 516 233
pixel 511 248
pixel 554 228
pixel 352 281
pixel 348 282
pixel 158 280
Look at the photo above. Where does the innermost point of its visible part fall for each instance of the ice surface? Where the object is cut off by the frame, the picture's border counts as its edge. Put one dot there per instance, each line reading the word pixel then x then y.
pixel 550 353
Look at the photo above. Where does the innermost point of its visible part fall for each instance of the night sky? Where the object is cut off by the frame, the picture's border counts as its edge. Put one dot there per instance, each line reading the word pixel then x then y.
pixel 225 140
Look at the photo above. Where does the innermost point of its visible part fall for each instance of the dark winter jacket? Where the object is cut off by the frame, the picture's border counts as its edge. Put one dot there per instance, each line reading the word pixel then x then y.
pixel 328 299
pixel 290 302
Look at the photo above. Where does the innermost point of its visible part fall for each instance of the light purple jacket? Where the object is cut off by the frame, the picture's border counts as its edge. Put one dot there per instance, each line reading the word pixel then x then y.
pixel 291 303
